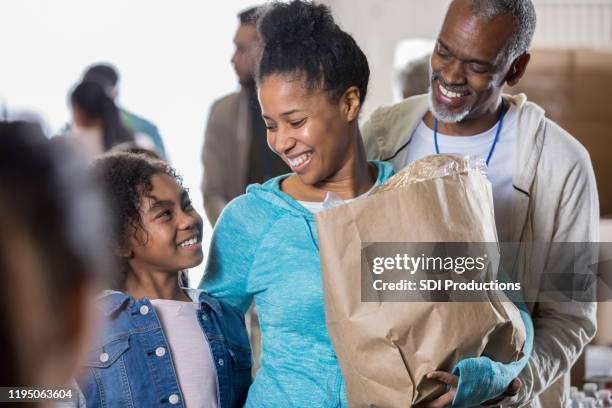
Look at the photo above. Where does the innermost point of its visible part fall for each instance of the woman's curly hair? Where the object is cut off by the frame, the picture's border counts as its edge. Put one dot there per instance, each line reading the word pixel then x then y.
pixel 125 178
pixel 301 38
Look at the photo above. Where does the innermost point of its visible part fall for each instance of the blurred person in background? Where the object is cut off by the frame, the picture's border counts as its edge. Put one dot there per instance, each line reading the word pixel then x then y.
pixel 236 152
pixel 542 179
pixel 411 67
pixel 413 78
pixel 145 133
pixel 96 124
pixel 53 258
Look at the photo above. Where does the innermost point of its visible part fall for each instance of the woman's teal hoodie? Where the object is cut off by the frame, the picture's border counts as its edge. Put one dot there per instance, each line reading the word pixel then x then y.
pixel 265 248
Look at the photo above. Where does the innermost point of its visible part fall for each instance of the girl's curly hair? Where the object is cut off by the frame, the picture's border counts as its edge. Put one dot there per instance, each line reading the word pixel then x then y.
pixel 126 179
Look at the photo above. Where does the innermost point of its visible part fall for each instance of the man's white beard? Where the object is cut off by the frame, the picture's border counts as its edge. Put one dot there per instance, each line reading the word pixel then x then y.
pixel 445 116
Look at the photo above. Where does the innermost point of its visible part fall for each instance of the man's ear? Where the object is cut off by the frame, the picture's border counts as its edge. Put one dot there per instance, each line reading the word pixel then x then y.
pixel 351 103
pixel 517 69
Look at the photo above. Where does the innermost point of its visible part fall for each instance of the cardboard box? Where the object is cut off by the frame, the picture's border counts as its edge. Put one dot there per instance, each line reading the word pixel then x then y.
pixel 604 309
pixel 574 87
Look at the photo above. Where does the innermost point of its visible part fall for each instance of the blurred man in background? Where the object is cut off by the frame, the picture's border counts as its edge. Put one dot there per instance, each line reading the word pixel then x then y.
pixel 411 67
pixel 145 133
pixel 236 151
pixel 414 77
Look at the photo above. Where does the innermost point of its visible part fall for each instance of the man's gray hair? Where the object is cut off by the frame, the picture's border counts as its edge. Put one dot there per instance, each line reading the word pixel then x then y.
pixel 524 15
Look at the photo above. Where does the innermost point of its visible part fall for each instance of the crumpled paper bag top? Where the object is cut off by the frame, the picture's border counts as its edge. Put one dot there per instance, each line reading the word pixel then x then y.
pixel 433 166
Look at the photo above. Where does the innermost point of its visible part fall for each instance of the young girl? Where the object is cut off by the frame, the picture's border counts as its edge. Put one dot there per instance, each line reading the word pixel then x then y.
pixel 161 345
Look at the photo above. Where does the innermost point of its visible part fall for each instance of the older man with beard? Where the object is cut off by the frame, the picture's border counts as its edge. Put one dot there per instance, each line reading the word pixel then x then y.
pixel 543 183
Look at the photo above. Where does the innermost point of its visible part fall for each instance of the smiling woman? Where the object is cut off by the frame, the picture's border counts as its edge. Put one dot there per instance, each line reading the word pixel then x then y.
pixel 312 81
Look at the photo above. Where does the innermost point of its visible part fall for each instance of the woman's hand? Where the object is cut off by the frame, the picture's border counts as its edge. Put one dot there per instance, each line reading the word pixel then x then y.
pixel 446 399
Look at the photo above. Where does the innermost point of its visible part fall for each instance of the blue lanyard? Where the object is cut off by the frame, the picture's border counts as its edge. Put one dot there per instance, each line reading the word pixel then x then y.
pixel 499 128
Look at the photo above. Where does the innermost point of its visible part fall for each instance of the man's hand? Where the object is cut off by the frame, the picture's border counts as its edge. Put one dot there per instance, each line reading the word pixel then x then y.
pixel 444 400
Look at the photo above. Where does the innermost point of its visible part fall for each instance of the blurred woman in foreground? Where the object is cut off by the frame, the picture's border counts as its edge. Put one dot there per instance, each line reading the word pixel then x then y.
pixel 52 256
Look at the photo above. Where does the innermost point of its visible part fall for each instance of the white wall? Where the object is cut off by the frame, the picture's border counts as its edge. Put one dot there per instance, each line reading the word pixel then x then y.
pixel 173 58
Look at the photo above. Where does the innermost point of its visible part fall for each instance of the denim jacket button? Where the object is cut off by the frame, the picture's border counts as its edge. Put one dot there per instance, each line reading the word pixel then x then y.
pixel 160 352
pixel 104 357
pixel 144 309
pixel 204 317
pixel 221 362
pixel 173 399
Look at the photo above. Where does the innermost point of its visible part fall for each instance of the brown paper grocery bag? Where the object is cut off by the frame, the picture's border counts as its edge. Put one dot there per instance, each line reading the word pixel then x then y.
pixel 386 349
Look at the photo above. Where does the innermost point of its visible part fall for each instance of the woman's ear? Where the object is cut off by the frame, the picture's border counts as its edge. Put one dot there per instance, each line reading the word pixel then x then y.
pixel 351 103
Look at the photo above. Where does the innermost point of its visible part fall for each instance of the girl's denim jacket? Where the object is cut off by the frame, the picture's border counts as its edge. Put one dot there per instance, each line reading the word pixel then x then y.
pixel 124 369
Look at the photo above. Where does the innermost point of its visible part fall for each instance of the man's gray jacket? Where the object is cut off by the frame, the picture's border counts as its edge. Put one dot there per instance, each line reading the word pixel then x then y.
pixel 555 200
